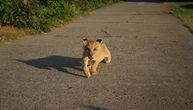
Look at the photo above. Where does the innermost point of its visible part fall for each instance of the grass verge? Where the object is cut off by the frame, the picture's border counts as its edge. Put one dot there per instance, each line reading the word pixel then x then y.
pixel 20 19
pixel 10 33
pixel 183 10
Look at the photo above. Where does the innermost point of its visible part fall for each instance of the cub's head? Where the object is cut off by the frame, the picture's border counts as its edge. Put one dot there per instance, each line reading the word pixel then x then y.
pixel 91 47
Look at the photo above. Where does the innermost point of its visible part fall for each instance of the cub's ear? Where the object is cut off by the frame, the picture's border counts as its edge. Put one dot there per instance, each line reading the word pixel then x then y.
pixel 85 41
pixel 99 40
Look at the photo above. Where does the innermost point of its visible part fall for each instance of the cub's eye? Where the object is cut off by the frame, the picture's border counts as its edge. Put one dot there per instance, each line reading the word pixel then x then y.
pixel 95 49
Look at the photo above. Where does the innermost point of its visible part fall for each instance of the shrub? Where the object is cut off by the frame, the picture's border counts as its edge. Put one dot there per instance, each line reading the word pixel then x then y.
pixel 42 14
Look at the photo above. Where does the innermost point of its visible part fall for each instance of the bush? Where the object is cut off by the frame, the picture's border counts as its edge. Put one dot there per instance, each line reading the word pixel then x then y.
pixel 42 14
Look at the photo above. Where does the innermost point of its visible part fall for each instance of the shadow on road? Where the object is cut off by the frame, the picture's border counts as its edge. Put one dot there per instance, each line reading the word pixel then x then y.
pixel 59 63
pixel 90 107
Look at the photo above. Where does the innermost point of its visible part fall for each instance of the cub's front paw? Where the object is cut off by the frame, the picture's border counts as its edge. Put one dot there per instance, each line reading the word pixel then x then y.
pixel 93 71
pixel 87 73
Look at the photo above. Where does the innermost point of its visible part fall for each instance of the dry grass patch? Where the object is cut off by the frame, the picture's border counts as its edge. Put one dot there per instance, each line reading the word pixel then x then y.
pixel 9 33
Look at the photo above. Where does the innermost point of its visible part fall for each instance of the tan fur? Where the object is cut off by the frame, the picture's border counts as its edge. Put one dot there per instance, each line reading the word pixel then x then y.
pixel 94 51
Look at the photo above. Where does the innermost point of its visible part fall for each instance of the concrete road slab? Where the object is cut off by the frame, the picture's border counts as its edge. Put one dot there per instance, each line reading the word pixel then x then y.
pixel 151 68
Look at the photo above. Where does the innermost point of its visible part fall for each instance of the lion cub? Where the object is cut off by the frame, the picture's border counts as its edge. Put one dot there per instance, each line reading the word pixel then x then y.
pixel 94 51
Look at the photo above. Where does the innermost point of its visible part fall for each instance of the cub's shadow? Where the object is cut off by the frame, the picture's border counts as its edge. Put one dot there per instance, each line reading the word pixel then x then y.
pixel 60 63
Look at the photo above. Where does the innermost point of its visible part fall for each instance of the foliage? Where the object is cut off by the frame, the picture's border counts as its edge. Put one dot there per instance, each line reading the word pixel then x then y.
pixel 42 14
pixel 184 10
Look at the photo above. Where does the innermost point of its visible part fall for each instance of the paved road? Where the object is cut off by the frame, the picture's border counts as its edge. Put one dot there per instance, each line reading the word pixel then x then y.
pixel 151 69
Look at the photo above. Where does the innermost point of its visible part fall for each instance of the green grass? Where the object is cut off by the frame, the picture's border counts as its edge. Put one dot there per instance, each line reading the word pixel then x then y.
pixel 184 10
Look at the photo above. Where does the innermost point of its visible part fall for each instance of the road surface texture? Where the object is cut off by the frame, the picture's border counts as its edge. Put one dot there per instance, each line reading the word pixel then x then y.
pixel 151 68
